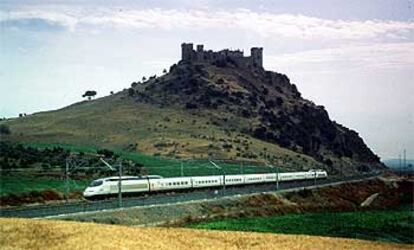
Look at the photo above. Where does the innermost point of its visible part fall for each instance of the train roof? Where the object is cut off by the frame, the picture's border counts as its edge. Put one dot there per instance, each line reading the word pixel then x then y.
pixel 131 177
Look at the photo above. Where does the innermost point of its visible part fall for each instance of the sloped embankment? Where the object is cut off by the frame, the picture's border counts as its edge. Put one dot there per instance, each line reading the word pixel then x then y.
pixel 345 197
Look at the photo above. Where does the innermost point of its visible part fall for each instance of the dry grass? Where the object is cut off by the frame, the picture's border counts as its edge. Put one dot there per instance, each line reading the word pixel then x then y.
pixel 44 234
pixel 115 123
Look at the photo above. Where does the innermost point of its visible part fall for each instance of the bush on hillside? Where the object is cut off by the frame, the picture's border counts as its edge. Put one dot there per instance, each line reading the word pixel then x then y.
pixel 4 129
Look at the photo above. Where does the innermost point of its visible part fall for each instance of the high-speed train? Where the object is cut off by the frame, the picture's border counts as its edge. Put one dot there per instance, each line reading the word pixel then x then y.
pixel 155 183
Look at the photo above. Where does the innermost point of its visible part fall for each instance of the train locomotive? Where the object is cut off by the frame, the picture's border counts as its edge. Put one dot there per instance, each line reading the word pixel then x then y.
pixel 155 183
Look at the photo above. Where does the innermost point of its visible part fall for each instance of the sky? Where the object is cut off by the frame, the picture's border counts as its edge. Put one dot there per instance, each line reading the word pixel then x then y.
pixel 355 57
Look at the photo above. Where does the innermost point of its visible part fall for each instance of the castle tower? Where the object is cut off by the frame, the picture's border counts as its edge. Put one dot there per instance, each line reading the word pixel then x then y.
pixel 200 48
pixel 200 52
pixel 256 56
pixel 187 51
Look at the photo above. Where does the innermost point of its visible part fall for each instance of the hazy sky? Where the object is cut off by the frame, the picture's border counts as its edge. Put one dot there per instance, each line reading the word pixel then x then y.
pixel 354 57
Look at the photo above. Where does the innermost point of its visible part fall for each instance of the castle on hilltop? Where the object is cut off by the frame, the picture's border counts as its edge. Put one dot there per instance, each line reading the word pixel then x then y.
pixel 200 55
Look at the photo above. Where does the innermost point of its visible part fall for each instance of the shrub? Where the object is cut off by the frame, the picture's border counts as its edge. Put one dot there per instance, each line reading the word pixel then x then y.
pixel 279 101
pixel 220 81
pixel 190 105
pixel 4 129
pixel 106 152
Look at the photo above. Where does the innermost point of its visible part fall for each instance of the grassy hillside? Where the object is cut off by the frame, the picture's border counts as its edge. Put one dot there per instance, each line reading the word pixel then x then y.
pixel 119 123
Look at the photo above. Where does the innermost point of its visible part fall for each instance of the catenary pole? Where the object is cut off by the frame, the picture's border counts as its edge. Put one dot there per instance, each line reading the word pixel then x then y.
pixel 120 185
pixel 67 180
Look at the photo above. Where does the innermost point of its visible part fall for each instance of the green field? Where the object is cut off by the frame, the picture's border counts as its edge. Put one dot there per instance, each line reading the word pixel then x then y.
pixel 17 183
pixel 391 225
pixel 169 167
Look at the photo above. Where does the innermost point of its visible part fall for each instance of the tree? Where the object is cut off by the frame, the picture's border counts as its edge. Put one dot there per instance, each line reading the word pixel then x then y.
pixel 144 78
pixel 164 71
pixel 131 92
pixel 89 94
pixel 111 92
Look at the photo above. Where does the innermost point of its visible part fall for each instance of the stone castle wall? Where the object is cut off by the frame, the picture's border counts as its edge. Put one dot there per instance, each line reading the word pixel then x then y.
pixel 200 55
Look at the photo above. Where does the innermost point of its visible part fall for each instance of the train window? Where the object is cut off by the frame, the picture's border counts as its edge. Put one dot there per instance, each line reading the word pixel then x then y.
pixel 96 183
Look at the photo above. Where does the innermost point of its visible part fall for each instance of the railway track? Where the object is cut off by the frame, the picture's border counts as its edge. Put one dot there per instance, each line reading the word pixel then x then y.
pixel 162 198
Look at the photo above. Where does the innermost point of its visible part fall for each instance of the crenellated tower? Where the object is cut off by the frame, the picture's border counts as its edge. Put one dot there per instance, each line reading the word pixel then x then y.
pixel 256 56
pixel 187 52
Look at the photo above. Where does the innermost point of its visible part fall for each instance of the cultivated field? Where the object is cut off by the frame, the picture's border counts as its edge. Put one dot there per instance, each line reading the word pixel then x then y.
pixel 390 225
pixel 43 234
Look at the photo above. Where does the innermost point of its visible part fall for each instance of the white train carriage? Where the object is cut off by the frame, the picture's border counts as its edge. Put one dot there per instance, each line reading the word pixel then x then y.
pixel 299 176
pixel 166 184
pixel 286 176
pixel 321 174
pixel 253 178
pixel 311 174
pixel 109 185
pixel 207 181
pixel 232 180
pixel 270 177
pixel 129 185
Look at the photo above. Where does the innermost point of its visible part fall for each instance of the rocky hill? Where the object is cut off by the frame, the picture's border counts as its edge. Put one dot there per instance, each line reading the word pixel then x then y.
pixel 199 109
pixel 260 103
